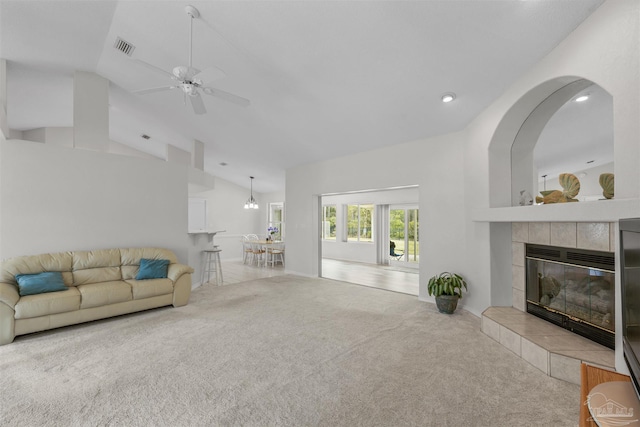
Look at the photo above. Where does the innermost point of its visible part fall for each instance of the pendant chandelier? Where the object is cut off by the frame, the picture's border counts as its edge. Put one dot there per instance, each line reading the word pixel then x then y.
pixel 251 202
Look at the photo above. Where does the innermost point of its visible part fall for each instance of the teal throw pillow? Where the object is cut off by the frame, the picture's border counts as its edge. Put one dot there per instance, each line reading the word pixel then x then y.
pixel 152 269
pixel 48 281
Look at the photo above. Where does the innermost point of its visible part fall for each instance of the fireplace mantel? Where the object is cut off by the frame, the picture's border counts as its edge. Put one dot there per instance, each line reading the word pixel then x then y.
pixel 594 211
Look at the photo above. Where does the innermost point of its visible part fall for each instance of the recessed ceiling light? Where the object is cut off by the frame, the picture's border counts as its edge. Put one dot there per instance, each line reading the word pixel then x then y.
pixel 582 98
pixel 448 97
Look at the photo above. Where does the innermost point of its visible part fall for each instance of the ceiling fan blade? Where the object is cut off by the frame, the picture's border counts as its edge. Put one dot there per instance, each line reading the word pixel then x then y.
pixel 153 89
pixel 197 104
pixel 154 68
pixel 207 76
pixel 227 96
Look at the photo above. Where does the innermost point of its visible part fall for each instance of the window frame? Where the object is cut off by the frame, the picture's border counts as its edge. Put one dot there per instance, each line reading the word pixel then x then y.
pixel 359 238
pixel 271 222
pixel 324 222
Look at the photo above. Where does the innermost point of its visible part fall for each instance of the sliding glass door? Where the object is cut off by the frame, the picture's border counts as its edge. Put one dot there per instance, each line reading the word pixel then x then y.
pixel 404 241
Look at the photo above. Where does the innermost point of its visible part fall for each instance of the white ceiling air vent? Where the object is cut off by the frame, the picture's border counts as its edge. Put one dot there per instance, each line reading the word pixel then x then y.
pixel 124 46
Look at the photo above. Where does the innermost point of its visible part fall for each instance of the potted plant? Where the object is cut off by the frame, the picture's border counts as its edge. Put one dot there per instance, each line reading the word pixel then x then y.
pixel 447 288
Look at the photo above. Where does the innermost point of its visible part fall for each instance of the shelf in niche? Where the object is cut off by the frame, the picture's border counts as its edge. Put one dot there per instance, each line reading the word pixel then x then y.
pixel 594 211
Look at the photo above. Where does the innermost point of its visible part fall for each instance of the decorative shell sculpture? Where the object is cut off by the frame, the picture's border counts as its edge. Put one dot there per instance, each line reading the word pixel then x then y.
pixel 570 188
pixel 606 182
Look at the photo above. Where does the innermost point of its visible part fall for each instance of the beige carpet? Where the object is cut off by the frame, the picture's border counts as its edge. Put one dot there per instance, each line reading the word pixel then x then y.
pixel 279 351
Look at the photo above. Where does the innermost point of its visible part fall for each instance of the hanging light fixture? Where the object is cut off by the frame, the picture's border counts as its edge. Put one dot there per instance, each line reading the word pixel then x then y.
pixel 251 202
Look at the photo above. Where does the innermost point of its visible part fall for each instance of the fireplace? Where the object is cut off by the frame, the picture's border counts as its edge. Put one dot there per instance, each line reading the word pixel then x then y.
pixel 574 289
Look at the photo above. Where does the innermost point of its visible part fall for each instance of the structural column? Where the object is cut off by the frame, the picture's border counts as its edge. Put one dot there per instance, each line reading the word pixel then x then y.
pixel 90 111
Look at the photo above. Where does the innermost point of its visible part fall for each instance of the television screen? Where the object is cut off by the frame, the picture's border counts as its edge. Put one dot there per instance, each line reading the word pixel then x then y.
pixel 630 297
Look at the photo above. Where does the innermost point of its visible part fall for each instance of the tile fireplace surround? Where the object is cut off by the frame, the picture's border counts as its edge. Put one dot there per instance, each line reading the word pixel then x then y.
pixel 548 347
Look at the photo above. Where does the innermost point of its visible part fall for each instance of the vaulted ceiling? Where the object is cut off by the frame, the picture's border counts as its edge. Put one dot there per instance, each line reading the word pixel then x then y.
pixel 325 78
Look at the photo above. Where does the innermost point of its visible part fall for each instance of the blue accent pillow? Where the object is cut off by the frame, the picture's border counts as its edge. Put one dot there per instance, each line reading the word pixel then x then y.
pixel 48 281
pixel 153 269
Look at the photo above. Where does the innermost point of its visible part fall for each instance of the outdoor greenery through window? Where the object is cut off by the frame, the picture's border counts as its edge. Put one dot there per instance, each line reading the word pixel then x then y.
pixel 404 234
pixel 329 222
pixel 275 226
pixel 359 223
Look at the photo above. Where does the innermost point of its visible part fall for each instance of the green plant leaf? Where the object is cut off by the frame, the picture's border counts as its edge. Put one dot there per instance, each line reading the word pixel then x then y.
pixel 446 284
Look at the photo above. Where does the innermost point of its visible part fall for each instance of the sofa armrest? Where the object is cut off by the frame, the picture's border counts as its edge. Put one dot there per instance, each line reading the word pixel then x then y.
pixel 9 294
pixel 177 270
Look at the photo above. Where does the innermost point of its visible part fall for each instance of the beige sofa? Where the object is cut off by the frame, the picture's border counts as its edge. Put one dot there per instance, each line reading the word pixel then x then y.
pixel 99 284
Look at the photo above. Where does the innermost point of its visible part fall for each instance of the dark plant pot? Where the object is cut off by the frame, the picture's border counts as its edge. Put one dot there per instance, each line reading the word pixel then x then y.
pixel 447 303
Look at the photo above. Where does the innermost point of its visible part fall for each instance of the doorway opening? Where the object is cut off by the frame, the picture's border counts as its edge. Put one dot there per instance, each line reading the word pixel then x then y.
pixel 357 230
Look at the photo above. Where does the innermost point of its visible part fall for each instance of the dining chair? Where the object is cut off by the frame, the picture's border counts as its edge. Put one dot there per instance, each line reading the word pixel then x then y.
pixel 246 247
pixel 275 253
pixel 257 253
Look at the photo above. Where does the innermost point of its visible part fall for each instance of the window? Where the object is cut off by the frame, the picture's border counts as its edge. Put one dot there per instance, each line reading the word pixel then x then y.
pixel 276 220
pixel 329 222
pixel 359 223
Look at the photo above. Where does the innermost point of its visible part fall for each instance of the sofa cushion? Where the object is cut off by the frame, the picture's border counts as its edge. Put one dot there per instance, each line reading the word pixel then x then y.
pixel 104 293
pixel 152 269
pixel 50 303
pixel 130 259
pixel 40 283
pixel 150 288
pixel 96 266
pixel 96 275
pixel 32 264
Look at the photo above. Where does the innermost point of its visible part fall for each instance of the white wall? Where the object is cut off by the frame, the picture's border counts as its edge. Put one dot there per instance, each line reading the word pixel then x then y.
pixel 604 50
pixel 63 137
pixel 225 211
pixel 125 150
pixel 61 199
pixel 453 171
pixel 4 125
pixel 435 165
pixel 90 111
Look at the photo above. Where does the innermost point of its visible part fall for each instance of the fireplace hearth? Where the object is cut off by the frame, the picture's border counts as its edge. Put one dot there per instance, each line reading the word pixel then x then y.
pixel 574 289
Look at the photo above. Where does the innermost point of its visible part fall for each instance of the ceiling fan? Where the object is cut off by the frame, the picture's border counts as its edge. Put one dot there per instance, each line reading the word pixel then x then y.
pixel 191 80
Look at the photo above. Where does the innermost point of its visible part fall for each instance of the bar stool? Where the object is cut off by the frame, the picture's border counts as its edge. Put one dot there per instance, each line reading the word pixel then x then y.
pixel 211 264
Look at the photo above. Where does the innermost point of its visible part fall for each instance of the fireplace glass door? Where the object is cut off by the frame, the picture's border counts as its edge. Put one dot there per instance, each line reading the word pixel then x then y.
pixel 577 297
pixel 583 293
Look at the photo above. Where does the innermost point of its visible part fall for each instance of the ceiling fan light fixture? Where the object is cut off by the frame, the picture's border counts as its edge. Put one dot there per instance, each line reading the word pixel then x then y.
pixel 189 89
pixel 251 203
pixel 191 80
pixel 448 97
pixel 180 72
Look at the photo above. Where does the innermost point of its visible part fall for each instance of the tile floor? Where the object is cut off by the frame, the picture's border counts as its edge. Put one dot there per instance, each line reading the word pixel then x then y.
pixel 391 278
pixel 396 279
pixel 236 272
pixel 553 350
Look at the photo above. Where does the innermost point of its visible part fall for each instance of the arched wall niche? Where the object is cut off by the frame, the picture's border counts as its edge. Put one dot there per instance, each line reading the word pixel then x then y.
pixel 511 165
